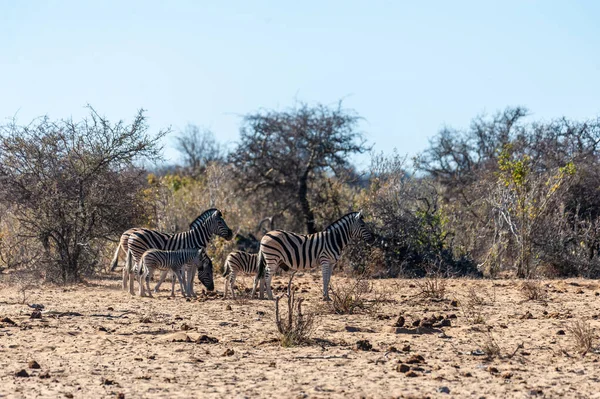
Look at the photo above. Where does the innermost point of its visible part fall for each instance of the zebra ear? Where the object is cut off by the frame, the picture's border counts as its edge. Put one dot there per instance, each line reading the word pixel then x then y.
pixel 359 215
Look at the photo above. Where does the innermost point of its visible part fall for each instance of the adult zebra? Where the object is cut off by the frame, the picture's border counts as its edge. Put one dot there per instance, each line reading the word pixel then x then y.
pixel 281 248
pixel 201 231
pixel 123 247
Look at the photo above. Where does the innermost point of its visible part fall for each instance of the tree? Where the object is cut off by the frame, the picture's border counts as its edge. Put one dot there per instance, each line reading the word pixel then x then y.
pixel 71 184
pixel 198 148
pixel 281 153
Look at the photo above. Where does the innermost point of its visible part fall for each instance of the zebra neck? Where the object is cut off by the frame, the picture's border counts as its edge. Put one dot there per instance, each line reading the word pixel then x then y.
pixel 337 238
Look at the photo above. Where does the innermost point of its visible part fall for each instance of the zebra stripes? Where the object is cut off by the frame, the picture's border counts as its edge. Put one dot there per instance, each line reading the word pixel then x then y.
pixel 239 262
pixel 281 248
pixel 174 261
pixel 201 231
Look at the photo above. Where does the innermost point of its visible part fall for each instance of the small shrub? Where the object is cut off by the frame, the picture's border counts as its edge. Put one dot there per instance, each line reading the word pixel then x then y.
pixel 353 297
pixel 432 286
pixel 583 334
pixel 472 307
pixel 532 290
pixel 490 347
pixel 297 327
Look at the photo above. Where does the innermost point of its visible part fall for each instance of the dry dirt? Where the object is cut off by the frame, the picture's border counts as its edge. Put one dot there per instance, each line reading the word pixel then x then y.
pixel 95 341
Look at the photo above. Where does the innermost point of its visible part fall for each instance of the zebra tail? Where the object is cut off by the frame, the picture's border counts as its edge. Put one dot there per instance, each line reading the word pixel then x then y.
pixel 261 265
pixel 226 268
pixel 115 260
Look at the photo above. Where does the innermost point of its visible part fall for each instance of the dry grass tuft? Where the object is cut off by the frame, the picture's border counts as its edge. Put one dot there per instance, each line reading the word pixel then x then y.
pixel 490 347
pixel 432 286
pixel 296 328
pixel 583 334
pixel 533 290
pixel 356 296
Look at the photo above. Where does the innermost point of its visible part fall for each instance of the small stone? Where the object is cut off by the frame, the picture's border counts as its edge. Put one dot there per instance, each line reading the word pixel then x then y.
pixel 402 368
pixel 68 395
pixel 45 375
pixel 400 322
pixel 106 381
pixel 110 308
pixel 36 314
pixel 466 374
pixel 492 369
pixel 393 349
pixel 411 374
pixel 272 364
pixel 507 375
pixel 8 321
pixel 229 352
pixel 536 392
pixel 205 339
pixel 451 316
pixel 443 390
pixel 363 345
pixel 352 329
pixel 560 332
pixel 443 323
pixel 454 303
pixel 228 307
pixel 527 316
pixel 22 373
pixel 185 327
pixel 415 359
pixel 120 395
pixel 406 348
pixel 34 365
pixel 416 323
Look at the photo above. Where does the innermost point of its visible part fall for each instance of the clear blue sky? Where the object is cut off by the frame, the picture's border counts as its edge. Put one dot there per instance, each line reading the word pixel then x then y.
pixel 408 67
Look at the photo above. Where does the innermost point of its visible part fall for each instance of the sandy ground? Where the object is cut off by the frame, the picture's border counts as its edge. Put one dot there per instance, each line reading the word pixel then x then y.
pixel 95 341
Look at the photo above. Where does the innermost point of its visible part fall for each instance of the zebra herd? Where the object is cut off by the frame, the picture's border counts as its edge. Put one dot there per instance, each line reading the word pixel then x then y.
pixel 184 254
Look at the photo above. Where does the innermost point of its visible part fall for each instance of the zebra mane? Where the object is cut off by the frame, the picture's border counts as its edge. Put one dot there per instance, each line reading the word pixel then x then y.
pixel 199 221
pixel 341 220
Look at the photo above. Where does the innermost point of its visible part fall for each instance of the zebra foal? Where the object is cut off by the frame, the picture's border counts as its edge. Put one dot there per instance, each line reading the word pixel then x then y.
pixel 240 262
pixel 174 261
pixel 281 248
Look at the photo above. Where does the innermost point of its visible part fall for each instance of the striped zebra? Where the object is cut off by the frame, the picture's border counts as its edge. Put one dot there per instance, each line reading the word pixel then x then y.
pixel 278 248
pixel 201 231
pixel 206 267
pixel 174 261
pixel 240 262
pixel 123 246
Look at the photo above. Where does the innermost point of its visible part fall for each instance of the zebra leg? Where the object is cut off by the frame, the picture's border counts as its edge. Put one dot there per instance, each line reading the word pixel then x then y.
pixel 150 272
pixel 266 283
pixel 190 280
pixel 142 278
pixel 181 284
pixel 225 287
pixel 126 270
pixel 231 283
pixel 163 276
pixel 173 278
pixel 326 268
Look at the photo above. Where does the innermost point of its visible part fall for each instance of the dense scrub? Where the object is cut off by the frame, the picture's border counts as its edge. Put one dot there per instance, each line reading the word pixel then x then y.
pixel 505 195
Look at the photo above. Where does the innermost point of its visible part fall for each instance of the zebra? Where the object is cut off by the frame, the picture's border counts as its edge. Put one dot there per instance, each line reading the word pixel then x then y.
pixel 187 275
pixel 201 231
pixel 240 262
pixel 174 261
pixel 123 246
pixel 279 248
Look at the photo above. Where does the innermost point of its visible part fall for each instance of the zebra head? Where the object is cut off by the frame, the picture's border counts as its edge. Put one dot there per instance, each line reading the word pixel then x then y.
pixel 205 270
pixel 359 230
pixel 219 227
pixel 212 222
